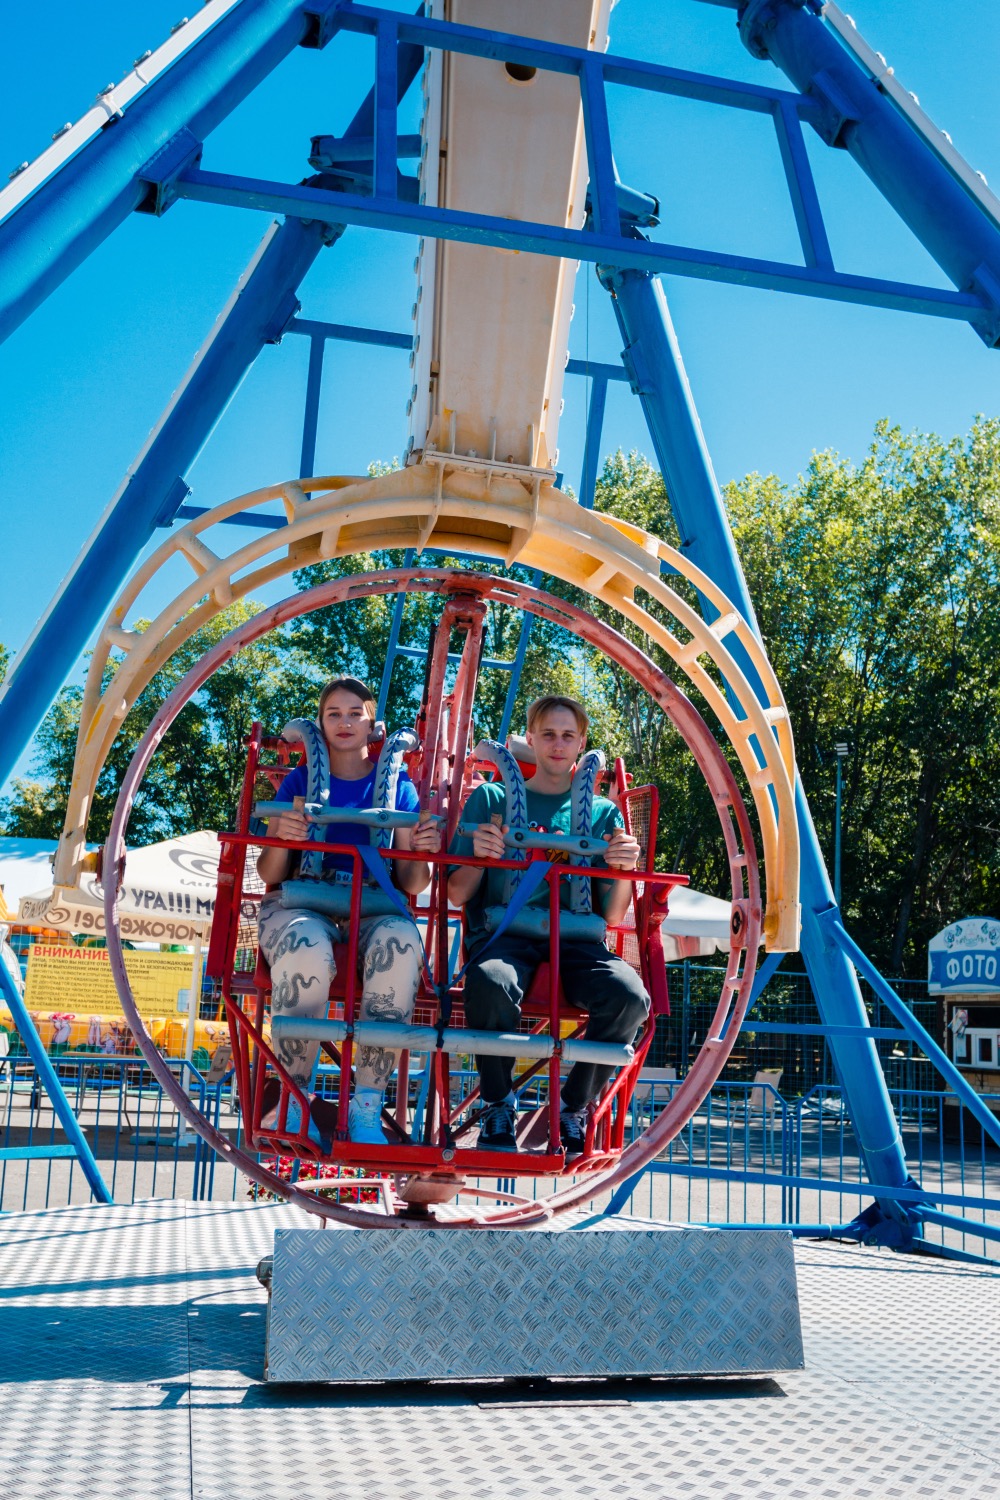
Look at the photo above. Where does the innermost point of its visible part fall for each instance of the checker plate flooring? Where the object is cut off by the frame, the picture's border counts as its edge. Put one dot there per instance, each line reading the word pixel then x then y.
pixel 131 1350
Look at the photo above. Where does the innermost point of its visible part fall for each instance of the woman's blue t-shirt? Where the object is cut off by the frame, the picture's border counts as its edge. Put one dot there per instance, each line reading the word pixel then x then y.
pixel 347 794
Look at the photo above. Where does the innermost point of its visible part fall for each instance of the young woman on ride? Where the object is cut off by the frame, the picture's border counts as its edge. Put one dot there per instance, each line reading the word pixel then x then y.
pixel 298 942
pixel 593 978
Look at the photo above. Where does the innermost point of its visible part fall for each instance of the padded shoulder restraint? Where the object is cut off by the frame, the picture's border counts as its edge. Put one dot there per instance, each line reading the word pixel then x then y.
pixel 582 824
pixel 515 799
pixel 306 732
pixel 311 890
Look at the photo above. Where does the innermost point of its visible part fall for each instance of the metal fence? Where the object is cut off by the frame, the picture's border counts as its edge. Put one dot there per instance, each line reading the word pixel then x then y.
pixel 750 1155
pixel 804 1062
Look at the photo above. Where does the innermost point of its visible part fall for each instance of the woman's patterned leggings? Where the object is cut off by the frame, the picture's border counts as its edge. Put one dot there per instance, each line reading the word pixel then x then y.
pixel 298 945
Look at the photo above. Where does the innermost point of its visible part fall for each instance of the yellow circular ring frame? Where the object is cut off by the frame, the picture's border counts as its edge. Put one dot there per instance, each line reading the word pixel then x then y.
pixel 459 505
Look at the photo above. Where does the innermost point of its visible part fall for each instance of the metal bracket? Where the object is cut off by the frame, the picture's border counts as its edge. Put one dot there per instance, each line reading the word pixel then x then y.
pixel 758 17
pixel 836 110
pixel 635 209
pixel 986 284
pixel 322 24
pixel 283 315
pixel 172 501
pixel 182 152
pixel 639 379
pixel 873 1226
pixel 333 153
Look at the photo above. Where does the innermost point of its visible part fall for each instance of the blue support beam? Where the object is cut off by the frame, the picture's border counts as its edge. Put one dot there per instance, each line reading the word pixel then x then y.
pixel 386 105
pixel 52 232
pixel 154 487
pixel 49 1079
pixel 517 666
pixel 802 187
pixel 592 441
pixel 653 356
pixel 399 605
pixel 261 308
pixel 603 197
pixel 852 113
pixel 310 201
pixel 310 418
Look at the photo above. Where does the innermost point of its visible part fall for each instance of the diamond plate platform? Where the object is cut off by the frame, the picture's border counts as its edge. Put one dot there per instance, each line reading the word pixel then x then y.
pixel 131 1365
pixel 470 1303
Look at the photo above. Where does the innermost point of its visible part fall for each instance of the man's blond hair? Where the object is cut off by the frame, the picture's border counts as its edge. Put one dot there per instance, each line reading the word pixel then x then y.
pixel 551 701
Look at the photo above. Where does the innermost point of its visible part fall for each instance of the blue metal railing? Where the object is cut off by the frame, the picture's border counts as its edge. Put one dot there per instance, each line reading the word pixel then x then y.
pixel 748 1156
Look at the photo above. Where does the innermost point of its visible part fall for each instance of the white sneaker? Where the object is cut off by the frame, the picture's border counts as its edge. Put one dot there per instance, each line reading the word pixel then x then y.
pixel 364 1119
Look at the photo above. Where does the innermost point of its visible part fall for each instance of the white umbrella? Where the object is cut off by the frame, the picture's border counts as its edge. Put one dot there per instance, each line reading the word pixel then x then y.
pixel 695 926
pixel 168 894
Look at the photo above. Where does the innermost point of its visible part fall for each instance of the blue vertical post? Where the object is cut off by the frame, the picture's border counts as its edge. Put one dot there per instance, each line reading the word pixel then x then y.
pixel 592 441
pixel 310 419
pixel 836 835
pixel 653 359
pixel 386 101
pixel 390 651
pixel 517 666
pixel 50 1081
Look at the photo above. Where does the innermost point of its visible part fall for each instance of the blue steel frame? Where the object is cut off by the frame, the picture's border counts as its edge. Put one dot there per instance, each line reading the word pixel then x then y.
pixel 151 158
pixel 76 1142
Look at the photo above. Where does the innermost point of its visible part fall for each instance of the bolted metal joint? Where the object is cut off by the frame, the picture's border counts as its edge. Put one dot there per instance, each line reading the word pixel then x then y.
pixel 758 17
pixel 162 171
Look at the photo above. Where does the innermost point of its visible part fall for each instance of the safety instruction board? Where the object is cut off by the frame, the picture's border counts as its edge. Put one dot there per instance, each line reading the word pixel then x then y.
pixel 78 981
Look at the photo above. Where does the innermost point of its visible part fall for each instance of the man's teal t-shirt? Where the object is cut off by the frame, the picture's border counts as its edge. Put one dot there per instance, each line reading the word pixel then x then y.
pixel 548 813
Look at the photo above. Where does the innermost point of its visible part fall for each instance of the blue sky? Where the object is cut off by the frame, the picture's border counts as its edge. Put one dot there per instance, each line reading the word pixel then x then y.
pixel 774 376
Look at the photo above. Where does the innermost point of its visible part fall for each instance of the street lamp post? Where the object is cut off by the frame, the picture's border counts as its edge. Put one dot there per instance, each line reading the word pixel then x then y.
pixel 842 750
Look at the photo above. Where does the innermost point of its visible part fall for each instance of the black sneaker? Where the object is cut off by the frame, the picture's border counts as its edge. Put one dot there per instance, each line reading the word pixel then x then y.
pixel 573 1131
pixel 497 1126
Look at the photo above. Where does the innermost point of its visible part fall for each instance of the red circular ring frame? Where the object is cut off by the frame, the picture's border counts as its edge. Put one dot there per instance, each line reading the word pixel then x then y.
pixel 736 827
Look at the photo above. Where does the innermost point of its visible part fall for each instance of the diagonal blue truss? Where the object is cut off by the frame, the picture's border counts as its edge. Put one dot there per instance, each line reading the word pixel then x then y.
pixel 147 154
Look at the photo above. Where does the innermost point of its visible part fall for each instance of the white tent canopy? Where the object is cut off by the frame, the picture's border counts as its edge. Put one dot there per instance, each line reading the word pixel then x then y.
pixel 168 894
pixel 696 925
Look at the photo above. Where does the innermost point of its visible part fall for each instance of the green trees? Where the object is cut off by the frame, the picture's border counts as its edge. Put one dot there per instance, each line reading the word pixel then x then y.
pixel 876 590
pixel 196 774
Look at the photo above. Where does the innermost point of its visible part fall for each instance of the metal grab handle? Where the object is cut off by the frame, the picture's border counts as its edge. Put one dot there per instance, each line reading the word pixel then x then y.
pixel 371 817
pixel 530 838
pixel 397 1036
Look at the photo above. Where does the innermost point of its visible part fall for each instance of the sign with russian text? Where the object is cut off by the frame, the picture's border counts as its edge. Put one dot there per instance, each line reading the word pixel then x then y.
pixel 964 959
pixel 78 981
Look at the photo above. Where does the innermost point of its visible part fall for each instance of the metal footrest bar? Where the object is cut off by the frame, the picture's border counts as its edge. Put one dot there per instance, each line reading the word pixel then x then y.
pixel 397 1036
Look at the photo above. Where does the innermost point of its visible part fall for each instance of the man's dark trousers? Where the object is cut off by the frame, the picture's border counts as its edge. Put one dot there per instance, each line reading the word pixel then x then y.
pixel 592 979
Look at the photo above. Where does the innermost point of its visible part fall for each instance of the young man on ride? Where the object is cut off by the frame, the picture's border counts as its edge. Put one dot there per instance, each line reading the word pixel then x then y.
pixel 298 942
pixel 593 978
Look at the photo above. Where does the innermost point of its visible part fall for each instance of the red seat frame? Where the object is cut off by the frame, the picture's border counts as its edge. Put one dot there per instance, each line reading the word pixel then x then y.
pixel 447 1125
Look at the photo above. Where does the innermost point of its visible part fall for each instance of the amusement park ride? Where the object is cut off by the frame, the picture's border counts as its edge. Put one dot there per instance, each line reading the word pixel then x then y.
pixel 515 184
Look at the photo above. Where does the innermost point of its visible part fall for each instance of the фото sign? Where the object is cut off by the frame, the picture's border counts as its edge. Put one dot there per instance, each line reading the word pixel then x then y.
pixel 965 958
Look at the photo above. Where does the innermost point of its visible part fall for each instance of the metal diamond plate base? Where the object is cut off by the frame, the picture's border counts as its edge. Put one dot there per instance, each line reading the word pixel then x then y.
pixel 131 1364
pixel 470 1303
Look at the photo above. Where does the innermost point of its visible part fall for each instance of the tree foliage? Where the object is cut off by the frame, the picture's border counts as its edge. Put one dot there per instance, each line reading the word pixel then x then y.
pixel 196 774
pixel 876 591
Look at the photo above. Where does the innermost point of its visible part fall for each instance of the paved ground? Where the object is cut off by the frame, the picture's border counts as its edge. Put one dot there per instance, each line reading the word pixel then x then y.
pixel 131 1343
